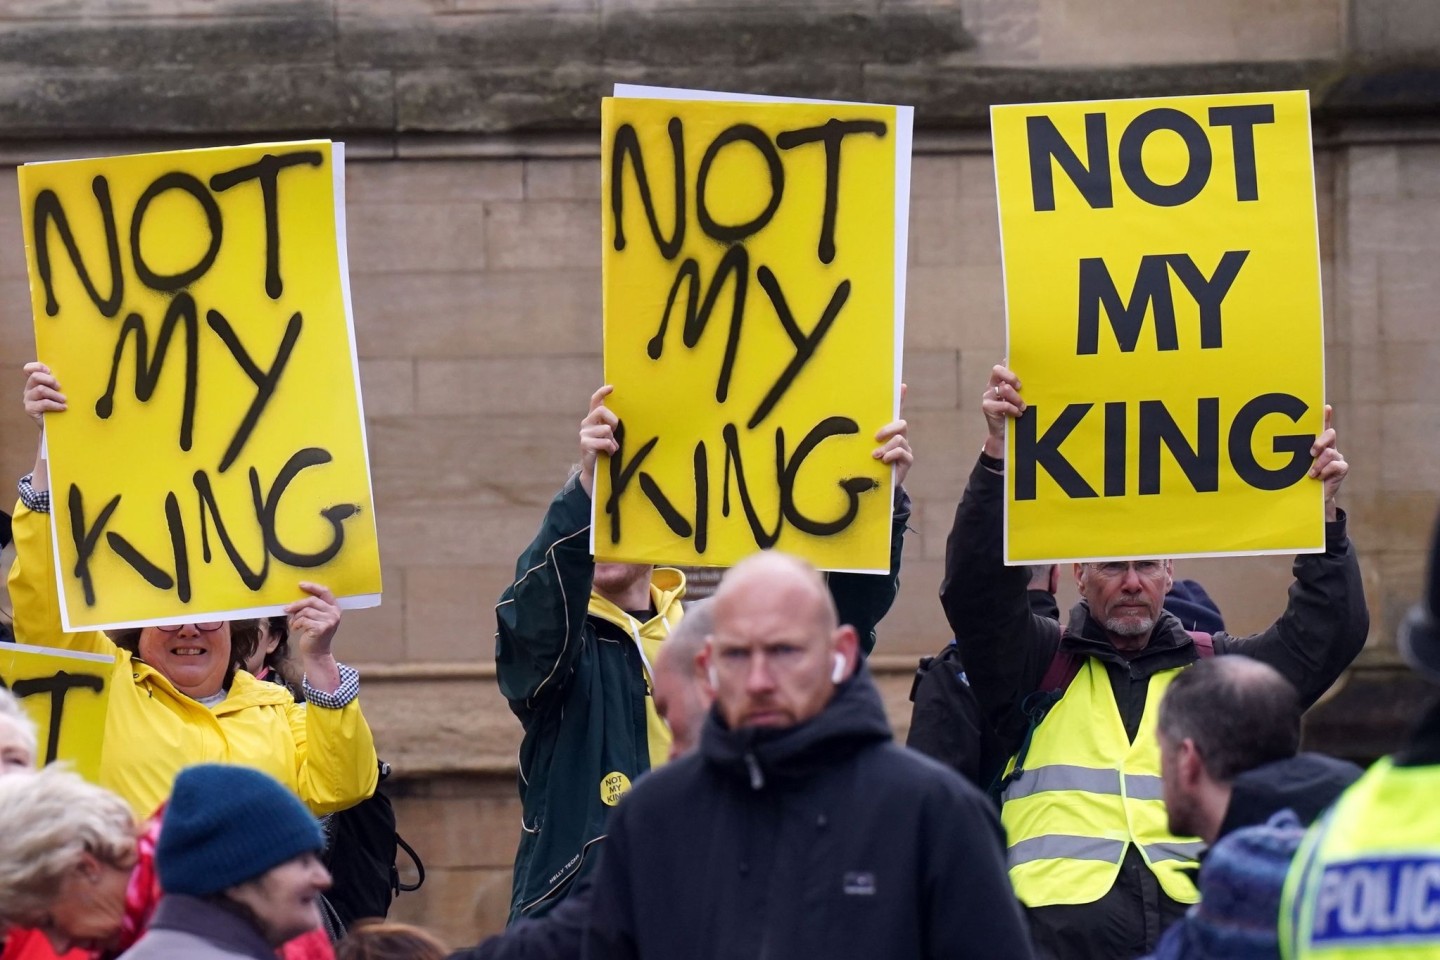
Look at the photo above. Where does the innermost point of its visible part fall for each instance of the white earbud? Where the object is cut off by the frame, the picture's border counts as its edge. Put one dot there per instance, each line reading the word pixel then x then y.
pixel 714 677
pixel 838 673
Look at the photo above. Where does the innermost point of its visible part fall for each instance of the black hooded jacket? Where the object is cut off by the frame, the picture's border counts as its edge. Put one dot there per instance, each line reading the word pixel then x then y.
pixel 1306 783
pixel 824 839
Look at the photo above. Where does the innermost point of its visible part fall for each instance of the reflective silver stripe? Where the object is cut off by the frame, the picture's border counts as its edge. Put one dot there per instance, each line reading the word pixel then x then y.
pixel 1187 850
pixel 1058 846
pixel 1063 776
pixel 1142 786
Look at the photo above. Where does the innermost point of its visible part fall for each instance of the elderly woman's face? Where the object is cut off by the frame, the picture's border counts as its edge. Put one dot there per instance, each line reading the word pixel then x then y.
pixel 193 656
pixel 88 910
pixel 286 899
pixel 17 749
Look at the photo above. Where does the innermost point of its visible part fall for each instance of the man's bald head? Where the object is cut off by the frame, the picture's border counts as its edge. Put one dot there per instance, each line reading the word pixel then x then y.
pixel 776 652
pixel 771 570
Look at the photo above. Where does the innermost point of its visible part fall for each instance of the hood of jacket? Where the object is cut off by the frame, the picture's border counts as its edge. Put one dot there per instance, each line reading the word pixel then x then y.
pixel 853 720
pixel 1306 783
pixel 667 586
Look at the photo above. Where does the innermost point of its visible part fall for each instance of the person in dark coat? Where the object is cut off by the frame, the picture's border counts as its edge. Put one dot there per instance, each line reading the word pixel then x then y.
pixel 1110 892
pixel 1229 733
pixel 575 644
pixel 799 829
pixel 1229 730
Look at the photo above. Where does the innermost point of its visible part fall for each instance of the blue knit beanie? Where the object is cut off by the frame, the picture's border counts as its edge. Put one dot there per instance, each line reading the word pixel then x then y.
pixel 225 825
pixel 1241 886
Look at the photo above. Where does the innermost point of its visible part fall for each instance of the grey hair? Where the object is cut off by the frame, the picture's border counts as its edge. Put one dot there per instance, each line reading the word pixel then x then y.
pixel 685 642
pixel 11 710
pixel 52 817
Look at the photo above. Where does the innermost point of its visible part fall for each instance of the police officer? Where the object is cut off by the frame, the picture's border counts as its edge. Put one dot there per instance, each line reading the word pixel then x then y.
pixel 1366 880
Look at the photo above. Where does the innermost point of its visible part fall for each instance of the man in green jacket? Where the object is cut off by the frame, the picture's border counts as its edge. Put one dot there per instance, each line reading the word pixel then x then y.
pixel 573 651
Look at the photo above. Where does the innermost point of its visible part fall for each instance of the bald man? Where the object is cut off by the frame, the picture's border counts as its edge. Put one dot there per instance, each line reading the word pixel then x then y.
pixel 798 827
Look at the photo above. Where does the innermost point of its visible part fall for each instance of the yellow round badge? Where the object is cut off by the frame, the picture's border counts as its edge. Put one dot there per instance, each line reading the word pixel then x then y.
pixel 613 786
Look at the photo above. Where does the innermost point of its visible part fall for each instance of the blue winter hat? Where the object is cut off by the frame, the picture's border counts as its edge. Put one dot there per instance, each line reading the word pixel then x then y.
pixel 225 825
pixel 1189 601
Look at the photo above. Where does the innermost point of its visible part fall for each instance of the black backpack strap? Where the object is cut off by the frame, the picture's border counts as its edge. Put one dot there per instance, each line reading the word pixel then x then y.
pixel 1064 667
pixel 396 884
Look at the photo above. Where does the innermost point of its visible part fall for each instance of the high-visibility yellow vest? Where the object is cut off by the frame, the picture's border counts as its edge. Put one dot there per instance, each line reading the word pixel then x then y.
pixel 1365 882
pixel 1086 793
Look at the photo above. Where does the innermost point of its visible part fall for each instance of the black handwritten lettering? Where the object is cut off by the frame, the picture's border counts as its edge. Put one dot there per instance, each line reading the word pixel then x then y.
pixel 265 380
pixel 735 263
pixel 252 578
pixel 267 171
pixel 86 537
pixel 57 687
pixel 335 515
pixel 213 222
pixel 141 564
pixel 48 210
pixel 853 486
pixel 621 474
pixel 764 539
pixel 176 525
pixel 627 144
pixel 831 133
pixel 735 233
pixel 673 518
pixel 148 368
pixel 702 497
pixel 805 344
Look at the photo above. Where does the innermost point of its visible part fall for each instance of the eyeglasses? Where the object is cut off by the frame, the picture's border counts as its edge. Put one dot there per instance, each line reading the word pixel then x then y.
pixel 1145 568
pixel 210 627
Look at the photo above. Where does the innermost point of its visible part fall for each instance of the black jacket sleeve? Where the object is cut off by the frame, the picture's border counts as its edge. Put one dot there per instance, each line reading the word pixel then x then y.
pixel 970 908
pixel 610 934
pixel 540 618
pixel 1005 648
pixel 863 599
pixel 558 935
pixel 1325 622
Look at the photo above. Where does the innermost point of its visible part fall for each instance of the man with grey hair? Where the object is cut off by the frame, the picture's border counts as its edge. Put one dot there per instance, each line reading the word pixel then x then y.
pixel 682 693
pixel 1089 848
pixel 798 828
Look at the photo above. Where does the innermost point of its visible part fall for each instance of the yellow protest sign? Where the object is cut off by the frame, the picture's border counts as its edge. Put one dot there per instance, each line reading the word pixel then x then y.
pixel 753 302
pixel 66 693
pixel 1162 286
pixel 194 307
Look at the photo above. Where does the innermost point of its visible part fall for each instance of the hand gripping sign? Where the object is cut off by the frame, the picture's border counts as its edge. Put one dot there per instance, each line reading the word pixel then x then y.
pixel 195 308
pixel 1162 289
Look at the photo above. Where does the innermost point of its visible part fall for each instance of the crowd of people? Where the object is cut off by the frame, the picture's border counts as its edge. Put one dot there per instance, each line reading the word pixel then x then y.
pixel 719 778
